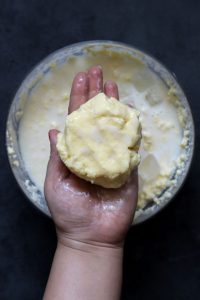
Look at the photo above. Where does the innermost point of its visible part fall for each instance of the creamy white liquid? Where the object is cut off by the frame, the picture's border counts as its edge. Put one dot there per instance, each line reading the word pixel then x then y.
pixel 46 108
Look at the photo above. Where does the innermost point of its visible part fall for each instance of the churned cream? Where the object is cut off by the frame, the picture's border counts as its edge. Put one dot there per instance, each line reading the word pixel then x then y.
pixel 163 140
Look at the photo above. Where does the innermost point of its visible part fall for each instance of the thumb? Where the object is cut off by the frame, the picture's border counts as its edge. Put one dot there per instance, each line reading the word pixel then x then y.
pixel 56 170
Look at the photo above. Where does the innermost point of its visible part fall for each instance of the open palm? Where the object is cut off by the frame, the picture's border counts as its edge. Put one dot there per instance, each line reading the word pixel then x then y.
pixel 83 211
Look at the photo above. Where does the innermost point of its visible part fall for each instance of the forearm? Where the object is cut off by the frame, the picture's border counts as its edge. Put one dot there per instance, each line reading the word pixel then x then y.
pixel 85 272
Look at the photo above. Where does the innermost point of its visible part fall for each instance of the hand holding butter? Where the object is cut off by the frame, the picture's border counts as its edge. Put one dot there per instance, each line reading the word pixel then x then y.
pixel 101 140
pixel 100 144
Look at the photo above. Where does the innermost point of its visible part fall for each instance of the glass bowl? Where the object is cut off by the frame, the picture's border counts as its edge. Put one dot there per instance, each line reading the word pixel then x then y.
pixel 58 57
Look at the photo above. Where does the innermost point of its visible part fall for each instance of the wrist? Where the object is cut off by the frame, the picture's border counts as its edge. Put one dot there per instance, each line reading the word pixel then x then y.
pixel 85 270
pixel 69 244
pixel 84 239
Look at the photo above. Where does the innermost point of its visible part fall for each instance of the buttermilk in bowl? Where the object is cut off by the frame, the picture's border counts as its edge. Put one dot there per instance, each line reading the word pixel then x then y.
pixel 164 137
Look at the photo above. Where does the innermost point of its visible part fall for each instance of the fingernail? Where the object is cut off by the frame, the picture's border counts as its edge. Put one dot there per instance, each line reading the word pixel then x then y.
pixel 81 77
pixel 110 83
pixel 96 71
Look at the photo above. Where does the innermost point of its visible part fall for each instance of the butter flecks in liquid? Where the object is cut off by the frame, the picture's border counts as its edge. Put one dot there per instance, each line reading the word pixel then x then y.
pixel 47 104
pixel 101 140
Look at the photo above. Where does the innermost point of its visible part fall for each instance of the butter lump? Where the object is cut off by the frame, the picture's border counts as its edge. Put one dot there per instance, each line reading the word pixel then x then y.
pixel 100 141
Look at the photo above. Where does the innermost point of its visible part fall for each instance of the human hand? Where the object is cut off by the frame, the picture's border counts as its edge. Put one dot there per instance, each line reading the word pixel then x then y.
pixel 84 212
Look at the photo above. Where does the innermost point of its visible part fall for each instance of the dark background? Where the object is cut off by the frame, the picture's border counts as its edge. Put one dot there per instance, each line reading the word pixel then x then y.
pixel 162 256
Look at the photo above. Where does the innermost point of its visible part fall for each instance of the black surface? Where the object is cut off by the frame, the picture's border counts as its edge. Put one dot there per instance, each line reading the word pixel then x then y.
pixel 162 257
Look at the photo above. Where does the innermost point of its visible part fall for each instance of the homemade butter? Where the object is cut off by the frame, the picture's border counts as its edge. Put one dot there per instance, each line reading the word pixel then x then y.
pixel 100 141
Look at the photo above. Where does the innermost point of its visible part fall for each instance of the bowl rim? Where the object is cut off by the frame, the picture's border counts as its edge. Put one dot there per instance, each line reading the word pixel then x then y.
pixel 157 207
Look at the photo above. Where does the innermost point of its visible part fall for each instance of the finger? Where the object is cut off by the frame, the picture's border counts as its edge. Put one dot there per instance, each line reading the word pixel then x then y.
pixel 95 76
pixel 79 91
pixel 111 89
pixel 56 170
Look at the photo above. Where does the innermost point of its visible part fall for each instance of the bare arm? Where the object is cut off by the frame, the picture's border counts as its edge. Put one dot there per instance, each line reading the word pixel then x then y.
pixel 85 272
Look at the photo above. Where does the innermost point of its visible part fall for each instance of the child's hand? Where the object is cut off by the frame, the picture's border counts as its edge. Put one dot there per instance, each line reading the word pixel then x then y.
pixel 84 212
